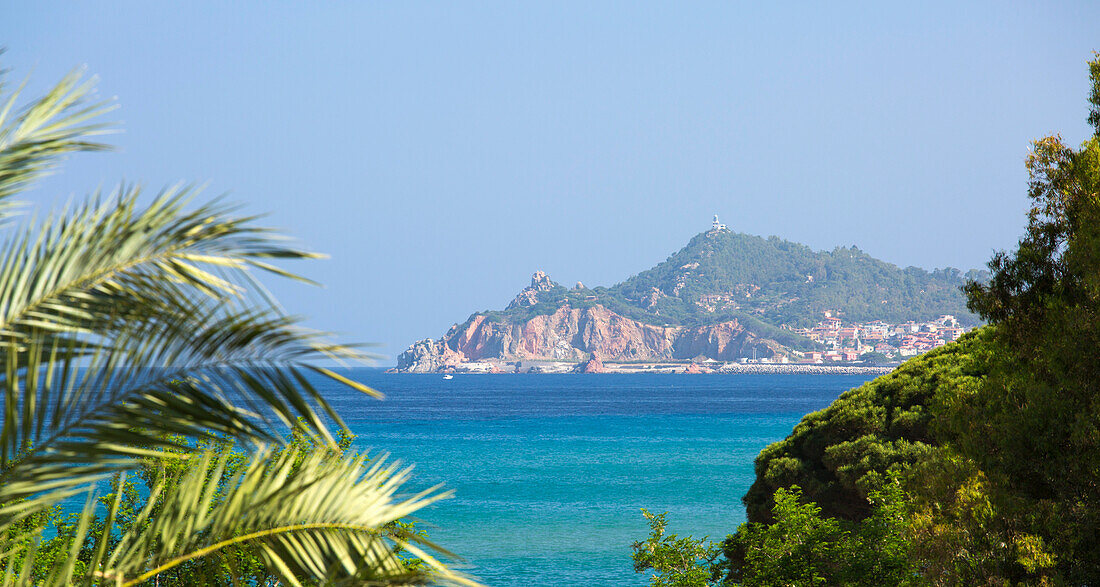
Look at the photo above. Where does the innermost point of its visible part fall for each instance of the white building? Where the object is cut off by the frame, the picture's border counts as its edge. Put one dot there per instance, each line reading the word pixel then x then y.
pixel 717 225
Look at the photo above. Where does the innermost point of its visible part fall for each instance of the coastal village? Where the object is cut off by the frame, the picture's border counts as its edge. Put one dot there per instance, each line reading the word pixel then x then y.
pixel 849 342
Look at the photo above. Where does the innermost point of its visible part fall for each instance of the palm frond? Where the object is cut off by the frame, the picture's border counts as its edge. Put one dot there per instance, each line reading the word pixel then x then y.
pixel 110 261
pixel 218 375
pixel 315 517
pixel 133 332
pixel 34 138
pixel 121 326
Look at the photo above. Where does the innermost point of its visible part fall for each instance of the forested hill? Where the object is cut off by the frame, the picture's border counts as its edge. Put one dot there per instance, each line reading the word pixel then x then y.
pixel 767 282
pixel 782 282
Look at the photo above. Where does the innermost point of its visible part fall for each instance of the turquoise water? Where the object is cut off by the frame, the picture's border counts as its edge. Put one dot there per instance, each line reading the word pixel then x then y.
pixel 551 471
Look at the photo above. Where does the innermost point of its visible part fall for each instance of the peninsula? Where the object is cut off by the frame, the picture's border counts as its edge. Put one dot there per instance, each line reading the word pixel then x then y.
pixel 725 302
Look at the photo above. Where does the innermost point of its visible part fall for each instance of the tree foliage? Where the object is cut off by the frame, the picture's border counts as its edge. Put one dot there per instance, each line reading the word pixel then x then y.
pixel 995 440
pixel 799 547
pixel 789 283
pixel 675 561
pixel 1034 428
pixel 840 454
pixel 874 358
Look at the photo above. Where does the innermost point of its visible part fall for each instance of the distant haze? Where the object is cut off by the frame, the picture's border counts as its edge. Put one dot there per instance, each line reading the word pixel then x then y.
pixel 441 153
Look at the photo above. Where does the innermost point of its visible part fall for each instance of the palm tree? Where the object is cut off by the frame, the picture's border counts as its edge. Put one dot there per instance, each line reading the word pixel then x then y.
pixel 135 332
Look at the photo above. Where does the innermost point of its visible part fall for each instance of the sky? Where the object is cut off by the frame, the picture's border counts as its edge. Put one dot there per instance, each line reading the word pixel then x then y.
pixel 440 153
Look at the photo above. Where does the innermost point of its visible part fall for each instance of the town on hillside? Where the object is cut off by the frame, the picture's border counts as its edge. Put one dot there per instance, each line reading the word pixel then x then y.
pixel 850 342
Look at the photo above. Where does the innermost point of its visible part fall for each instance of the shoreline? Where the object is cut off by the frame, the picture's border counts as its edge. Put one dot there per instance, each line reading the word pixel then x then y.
pixel 668 368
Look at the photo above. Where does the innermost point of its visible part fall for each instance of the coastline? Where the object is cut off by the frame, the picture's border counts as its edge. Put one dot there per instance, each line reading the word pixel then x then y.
pixel 665 367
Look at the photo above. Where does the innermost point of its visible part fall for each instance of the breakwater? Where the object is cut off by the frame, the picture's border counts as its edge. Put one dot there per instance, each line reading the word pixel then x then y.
pixel 787 369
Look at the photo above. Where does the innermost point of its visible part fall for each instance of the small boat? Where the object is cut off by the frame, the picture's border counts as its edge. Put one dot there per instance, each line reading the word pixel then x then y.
pixel 448 376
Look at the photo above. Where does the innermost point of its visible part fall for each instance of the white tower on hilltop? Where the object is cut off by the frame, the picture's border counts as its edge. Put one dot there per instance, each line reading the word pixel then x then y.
pixel 717 225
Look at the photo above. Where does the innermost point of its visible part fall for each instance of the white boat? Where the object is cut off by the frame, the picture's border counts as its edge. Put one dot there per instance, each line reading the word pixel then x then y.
pixel 448 376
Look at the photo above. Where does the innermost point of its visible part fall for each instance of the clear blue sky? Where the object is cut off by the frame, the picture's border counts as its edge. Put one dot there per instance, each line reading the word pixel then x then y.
pixel 442 152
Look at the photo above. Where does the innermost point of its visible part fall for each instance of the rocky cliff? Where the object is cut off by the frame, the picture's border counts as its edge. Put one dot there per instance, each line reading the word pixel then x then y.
pixel 577 334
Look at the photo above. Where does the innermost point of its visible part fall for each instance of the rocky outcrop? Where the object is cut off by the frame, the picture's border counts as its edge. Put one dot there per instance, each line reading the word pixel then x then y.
pixel 695 369
pixel 428 356
pixel 649 301
pixel 540 281
pixel 579 334
pixel 593 365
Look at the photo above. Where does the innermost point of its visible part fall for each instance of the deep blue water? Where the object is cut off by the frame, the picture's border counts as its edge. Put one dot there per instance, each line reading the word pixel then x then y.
pixel 551 471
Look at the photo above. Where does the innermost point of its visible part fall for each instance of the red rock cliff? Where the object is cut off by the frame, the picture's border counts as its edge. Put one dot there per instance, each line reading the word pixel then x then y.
pixel 574 334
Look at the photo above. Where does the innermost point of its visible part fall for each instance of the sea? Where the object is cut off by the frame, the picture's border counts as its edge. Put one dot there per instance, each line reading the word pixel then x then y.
pixel 550 472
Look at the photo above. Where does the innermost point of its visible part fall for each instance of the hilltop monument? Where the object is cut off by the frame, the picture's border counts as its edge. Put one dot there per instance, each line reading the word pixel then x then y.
pixel 717 225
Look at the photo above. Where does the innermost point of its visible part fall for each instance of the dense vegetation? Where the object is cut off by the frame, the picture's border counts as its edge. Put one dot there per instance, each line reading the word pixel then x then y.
pixel 800 547
pixel 977 464
pixel 839 455
pixel 788 283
